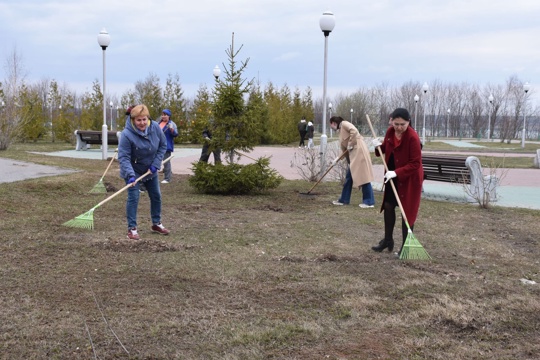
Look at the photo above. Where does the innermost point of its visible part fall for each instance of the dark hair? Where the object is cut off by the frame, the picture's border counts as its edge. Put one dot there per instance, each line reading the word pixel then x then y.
pixel 128 110
pixel 336 119
pixel 401 113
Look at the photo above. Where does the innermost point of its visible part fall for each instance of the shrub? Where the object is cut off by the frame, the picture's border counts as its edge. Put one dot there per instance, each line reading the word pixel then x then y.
pixel 234 179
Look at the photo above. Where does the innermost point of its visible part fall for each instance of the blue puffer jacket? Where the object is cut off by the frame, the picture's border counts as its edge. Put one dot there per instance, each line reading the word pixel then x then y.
pixel 170 135
pixel 138 150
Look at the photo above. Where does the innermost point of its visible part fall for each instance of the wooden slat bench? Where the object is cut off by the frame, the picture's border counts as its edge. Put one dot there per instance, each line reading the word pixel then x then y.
pixel 465 170
pixel 446 168
pixel 93 137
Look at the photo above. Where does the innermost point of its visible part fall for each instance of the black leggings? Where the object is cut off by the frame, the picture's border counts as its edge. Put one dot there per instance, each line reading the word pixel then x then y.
pixel 390 204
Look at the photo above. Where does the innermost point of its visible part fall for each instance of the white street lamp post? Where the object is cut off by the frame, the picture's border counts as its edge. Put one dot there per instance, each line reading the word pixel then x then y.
pixel 526 88
pixel 425 89
pixel 329 117
pixel 416 98
pixel 110 112
pixel 351 115
pixel 448 124
pixel 104 40
pixel 490 99
pixel 326 23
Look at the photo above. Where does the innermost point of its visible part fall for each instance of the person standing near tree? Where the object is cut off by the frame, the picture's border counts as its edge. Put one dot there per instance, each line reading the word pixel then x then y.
pixel 402 152
pixel 141 149
pixel 171 131
pixel 360 169
pixel 302 130
pixel 205 153
pixel 310 132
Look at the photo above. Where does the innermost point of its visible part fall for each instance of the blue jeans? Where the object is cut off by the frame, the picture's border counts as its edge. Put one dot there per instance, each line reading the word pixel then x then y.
pixel 167 169
pixel 152 187
pixel 367 191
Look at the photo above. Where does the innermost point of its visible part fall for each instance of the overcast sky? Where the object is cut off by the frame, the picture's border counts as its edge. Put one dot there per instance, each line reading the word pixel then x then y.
pixel 373 42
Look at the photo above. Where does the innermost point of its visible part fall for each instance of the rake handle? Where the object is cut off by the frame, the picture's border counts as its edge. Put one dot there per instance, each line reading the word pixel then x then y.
pixel 129 185
pixel 327 171
pixel 249 157
pixel 386 169
pixel 110 163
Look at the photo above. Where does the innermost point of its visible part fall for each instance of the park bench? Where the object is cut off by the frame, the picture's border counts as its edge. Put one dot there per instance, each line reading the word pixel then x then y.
pixel 85 138
pixel 465 170
pixel 446 168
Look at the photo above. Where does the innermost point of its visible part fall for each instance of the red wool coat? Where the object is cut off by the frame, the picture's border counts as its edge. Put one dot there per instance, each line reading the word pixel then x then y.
pixel 409 170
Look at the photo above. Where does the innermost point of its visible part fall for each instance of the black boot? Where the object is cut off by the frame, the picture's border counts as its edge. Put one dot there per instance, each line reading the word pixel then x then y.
pixel 383 244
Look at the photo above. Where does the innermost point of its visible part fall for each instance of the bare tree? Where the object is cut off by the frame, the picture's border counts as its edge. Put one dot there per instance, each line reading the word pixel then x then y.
pixel 10 114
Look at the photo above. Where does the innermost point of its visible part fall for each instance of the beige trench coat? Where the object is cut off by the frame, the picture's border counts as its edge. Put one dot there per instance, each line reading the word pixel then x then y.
pixel 359 156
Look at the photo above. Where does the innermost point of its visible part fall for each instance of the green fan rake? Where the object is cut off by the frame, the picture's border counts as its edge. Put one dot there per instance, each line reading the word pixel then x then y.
pixel 86 220
pixel 412 249
pixel 100 188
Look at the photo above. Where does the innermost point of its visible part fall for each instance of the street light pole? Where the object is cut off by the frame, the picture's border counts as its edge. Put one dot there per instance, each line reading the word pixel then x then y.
pixel 330 112
pixel 425 89
pixel 104 40
pixel 326 23
pixel 351 115
pixel 490 107
pixel 416 98
pixel 526 88
pixel 110 112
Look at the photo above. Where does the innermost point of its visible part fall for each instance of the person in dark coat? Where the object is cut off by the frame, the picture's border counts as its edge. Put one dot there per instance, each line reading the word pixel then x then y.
pixel 403 154
pixel 205 153
pixel 302 130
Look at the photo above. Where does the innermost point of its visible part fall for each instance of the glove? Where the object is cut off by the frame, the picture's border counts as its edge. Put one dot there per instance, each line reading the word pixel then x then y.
pixel 334 162
pixel 152 169
pixel 389 175
pixel 376 142
pixel 350 147
pixel 131 180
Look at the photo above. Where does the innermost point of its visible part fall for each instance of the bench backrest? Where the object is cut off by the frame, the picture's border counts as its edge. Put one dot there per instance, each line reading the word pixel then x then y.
pixel 94 137
pixel 446 168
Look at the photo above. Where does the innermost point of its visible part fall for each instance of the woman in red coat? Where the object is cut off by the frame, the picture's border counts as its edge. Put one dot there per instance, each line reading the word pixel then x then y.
pixel 403 154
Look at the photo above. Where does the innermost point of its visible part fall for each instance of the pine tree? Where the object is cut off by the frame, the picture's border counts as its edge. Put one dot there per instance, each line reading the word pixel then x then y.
pixel 233 127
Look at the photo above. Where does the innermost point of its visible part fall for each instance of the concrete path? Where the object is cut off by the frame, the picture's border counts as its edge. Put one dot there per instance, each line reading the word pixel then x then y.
pixel 519 187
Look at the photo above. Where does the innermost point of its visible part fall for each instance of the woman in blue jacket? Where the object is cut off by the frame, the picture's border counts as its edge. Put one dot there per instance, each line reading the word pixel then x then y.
pixel 141 148
pixel 171 131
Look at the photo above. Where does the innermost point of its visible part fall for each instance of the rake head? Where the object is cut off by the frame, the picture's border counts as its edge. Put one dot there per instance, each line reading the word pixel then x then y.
pixel 99 188
pixel 412 249
pixel 84 221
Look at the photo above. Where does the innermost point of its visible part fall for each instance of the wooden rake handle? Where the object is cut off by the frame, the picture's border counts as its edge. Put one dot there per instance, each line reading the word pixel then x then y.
pixel 129 185
pixel 110 163
pixel 240 154
pixel 386 169
pixel 327 171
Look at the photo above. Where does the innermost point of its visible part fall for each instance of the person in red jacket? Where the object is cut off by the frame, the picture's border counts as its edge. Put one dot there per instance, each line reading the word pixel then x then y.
pixel 403 153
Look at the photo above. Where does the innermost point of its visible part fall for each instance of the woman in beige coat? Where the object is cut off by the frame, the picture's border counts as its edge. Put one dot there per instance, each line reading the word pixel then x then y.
pixel 360 171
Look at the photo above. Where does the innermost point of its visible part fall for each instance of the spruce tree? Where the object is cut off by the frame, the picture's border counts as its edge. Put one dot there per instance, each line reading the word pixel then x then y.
pixel 233 128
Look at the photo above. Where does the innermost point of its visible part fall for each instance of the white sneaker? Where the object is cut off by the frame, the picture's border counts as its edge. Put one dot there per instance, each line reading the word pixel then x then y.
pixel 164 182
pixel 365 206
pixel 336 202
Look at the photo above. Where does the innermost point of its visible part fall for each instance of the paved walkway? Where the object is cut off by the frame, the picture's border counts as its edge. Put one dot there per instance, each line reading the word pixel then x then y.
pixel 518 188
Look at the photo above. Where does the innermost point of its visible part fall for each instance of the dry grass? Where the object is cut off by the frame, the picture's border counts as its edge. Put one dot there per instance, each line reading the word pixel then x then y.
pixel 276 276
